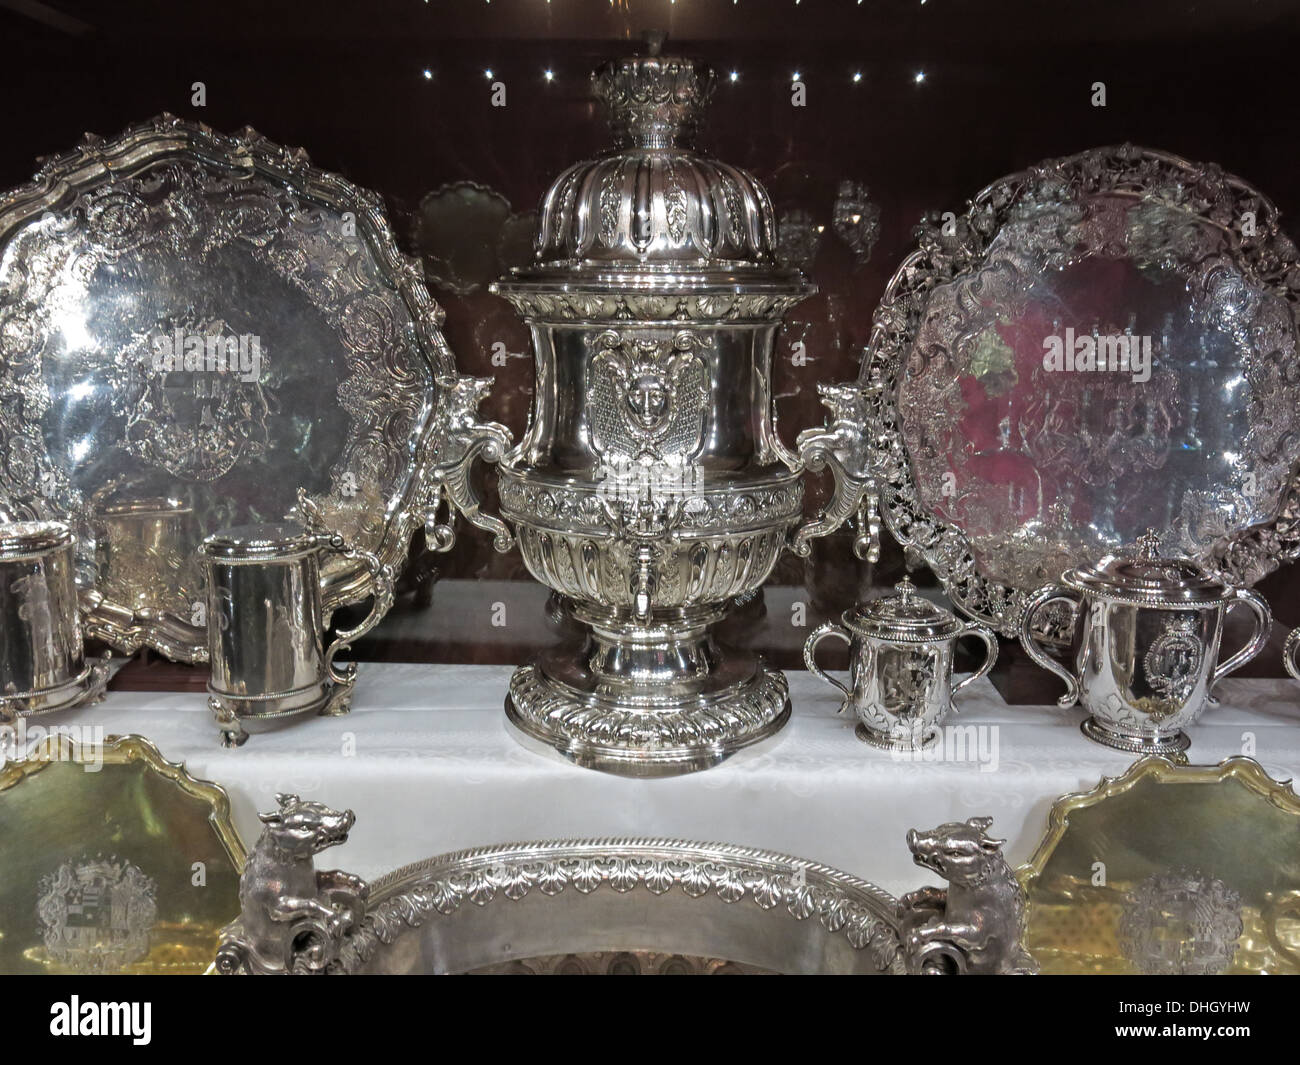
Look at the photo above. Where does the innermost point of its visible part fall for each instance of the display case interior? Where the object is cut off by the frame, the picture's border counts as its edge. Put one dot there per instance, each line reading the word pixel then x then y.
pixel 858 119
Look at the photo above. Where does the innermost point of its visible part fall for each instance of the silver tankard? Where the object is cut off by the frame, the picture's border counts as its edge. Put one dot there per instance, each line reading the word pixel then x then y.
pixel 1146 632
pixel 900 666
pixel 265 623
pixel 42 659
pixel 145 554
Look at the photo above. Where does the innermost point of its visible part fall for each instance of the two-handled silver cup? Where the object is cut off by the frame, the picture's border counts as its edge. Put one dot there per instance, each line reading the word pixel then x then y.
pixel 901 652
pixel 1145 646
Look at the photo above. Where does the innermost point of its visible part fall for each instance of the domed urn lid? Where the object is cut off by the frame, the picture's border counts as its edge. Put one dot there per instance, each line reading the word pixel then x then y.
pixel 652 210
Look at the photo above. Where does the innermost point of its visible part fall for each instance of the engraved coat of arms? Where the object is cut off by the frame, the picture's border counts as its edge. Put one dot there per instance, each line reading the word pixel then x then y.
pixel 96 914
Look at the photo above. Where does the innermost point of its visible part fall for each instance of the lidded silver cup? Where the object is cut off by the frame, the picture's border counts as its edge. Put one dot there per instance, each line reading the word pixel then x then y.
pixel 1145 645
pixel 650 488
pixel 901 650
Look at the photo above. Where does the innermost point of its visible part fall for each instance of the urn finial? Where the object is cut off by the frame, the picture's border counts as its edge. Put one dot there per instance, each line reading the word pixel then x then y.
pixel 654 100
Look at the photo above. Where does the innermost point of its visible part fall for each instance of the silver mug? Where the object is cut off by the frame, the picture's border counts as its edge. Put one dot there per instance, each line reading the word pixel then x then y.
pixel 266 622
pixel 1145 642
pixel 43 666
pixel 900 667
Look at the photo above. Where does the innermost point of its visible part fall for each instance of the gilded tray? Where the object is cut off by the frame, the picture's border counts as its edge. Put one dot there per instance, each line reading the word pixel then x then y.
pixel 1005 456
pixel 1169 870
pixel 193 326
pixel 112 860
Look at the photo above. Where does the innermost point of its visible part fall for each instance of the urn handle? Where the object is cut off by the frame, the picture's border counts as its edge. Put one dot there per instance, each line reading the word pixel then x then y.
pixel 458 439
pixel 818 634
pixel 1040 599
pixel 1263 625
pixel 841 446
pixel 984 633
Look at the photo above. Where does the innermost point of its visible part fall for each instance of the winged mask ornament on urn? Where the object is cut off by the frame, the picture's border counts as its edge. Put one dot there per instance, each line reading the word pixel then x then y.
pixel 650 489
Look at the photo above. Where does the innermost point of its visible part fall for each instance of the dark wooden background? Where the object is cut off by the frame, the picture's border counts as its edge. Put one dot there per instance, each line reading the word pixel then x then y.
pixel 1006 83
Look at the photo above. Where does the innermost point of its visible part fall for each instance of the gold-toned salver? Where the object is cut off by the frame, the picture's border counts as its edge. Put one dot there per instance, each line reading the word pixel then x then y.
pixel 1170 869
pixel 112 859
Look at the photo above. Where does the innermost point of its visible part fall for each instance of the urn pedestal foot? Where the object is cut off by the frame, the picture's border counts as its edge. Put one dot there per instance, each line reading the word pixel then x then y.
pixel 616 725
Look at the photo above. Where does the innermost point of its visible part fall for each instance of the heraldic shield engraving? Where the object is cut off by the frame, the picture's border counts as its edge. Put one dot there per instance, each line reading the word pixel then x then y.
pixel 145 885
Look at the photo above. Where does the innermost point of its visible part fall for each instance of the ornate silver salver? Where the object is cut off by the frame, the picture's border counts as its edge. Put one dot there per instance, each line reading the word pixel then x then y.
pixel 627 905
pixel 1101 344
pixel 194 326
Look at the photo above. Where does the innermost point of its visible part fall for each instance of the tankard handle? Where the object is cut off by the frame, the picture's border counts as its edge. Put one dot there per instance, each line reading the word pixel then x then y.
pixel 982 632
pixel 1263 625
pixel 818 634
pixel 382 580
pixel 1033 605
pixel 1289 653
pixel 381 586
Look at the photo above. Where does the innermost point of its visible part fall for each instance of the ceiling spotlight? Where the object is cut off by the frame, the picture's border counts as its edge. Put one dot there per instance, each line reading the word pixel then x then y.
pixel 735 75
pixel 428 74
pixel 857 75
pixel 488 74
pixel 920 77
pixel 794 76
pixel 549 75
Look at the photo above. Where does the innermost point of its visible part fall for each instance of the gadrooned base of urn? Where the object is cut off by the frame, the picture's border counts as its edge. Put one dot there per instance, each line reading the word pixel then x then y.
pixel 659 731
pixel 1168 744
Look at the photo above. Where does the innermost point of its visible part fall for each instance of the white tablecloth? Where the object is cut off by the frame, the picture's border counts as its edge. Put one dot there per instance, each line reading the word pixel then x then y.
pixel 428 763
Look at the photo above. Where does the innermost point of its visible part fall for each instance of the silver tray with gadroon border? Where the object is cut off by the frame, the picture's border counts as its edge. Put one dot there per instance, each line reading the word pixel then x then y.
pixel 621 906
pixel 192 327
pixel 1003 464
pixel 624 906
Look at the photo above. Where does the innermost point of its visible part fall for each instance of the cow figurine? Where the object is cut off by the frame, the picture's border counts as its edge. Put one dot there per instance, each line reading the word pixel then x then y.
pixel 977 924
pixel 293 918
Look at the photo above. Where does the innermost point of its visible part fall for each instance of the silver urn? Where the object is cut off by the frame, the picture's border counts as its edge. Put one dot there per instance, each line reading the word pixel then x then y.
pixel 1144 644
pixel 650 488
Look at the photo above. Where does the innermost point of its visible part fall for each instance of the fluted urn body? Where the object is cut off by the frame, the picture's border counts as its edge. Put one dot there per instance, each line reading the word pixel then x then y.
pixel 650 488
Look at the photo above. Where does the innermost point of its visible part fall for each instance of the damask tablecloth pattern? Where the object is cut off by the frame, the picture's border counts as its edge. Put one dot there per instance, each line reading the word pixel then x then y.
pixel 428 764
